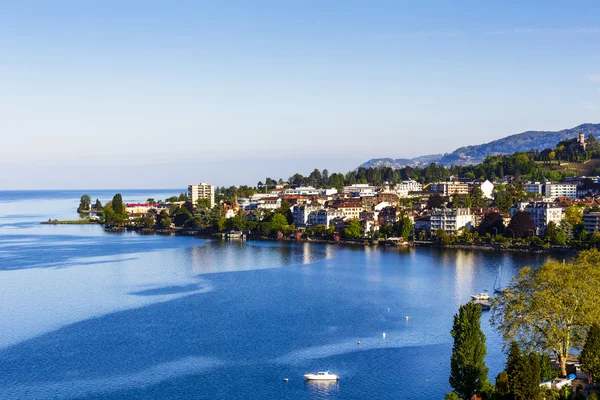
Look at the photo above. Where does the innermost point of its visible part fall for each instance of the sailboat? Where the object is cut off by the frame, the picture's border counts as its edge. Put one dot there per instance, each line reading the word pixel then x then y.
pixel 498 282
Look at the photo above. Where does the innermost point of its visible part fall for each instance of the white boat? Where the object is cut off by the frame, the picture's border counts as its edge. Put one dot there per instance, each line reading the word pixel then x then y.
pixel 323 375
pixel 480 296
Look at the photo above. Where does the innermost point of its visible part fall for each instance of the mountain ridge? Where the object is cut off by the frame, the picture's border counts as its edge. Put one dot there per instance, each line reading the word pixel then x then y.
pixel 475 154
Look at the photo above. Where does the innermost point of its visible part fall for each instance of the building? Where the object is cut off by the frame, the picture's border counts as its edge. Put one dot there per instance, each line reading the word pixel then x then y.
pixel 554 190
pixel 324 217
pixel 591 222
pixel 360 189
pixel 450 188
pixel 534 187
pixel 202 191
pixel 405 187
pixel 450 219
pixel 487 188
pixel 302 190
pixel 350 208
pixel 387 216
pixel 302 212
pixel 423 224
pixel 542 213
pixel 139 208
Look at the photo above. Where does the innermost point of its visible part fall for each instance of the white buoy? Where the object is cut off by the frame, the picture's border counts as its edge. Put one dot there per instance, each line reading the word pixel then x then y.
pixel 358 342
pixel 285 379
pixel 406 317
pixel 388 309
pixel 383 335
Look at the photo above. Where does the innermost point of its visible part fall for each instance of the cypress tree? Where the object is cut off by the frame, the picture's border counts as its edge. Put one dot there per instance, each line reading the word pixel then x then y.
pixel 590 355
pixel 468 371
pixel 530 386
pixel 513 367
pixel 117 204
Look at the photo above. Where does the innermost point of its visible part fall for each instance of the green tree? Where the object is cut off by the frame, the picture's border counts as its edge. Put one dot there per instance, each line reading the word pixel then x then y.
pixel 514 366
pixel 529 386
pixel 476 197
pixel 98 205
pixel 492 223
pixel 203 203
pixel 144 222
pixel 84 203
pixel 279 223
pixel 353 229
pixel 549 309
pixel 150 201
pixel 165 222
pixel 573 215
pixel 452 396
pixel 468 371
pixel 117 205
pixel 502 387
pixel 547 371
pixel 590 355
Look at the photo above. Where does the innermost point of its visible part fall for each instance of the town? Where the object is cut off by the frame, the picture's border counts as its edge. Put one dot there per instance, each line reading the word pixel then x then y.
pixel 508 210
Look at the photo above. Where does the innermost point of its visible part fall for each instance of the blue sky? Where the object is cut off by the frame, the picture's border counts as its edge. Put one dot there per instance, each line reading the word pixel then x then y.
pixel 161 94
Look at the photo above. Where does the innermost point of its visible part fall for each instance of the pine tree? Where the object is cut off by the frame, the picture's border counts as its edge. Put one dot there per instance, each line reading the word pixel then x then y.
pixel 590 355
pixel 468 371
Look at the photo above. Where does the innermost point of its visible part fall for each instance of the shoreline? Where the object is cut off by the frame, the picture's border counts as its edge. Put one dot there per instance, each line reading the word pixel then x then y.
pixel 347 242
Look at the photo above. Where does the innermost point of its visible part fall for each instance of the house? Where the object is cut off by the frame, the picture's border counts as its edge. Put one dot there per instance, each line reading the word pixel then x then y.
pixel 487 188
pixel 554 190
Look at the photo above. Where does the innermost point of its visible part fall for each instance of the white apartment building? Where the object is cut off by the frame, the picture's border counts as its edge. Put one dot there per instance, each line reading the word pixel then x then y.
pixel 450 219
pixel 408 186
pixel 591 222
pixel 302 190
pixel 542 213
pixel 554 190
pixel 360 189
pixel 202 191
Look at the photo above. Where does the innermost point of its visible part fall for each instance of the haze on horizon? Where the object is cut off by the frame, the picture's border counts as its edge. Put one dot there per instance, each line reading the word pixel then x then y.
pixel 154 94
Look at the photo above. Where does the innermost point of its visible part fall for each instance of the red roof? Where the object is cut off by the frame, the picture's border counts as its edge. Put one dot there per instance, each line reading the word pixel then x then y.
pixel 141 205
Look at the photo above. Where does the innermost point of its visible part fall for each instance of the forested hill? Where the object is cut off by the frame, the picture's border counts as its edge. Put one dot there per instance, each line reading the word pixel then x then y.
pixel 469 155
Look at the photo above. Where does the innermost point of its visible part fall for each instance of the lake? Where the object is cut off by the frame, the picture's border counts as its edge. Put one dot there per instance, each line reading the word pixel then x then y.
pixel 95 315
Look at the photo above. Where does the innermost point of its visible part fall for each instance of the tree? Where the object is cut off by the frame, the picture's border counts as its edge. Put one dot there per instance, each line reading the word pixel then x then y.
pixel 353 229
pixel 84 203
pixel 547 371
pixel 502 387
pixel 549 309
pixel 203 203
pixel 435 201
pixel 520 225
pixel 476 197
pixel 117 205
pixel 150 200
pixel 144 222
pixel 590 355
pixel 529 386
pixel 573 215
pixel 279 223
pixel 98 205
pixel 513 366
pixel 165 222
pixel 492 223
pixel 468 371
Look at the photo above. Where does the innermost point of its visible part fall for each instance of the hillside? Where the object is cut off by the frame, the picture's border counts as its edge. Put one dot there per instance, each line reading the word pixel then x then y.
pixel 468 155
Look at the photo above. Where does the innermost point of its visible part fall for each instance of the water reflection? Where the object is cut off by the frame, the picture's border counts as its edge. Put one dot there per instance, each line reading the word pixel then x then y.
pixel 321 388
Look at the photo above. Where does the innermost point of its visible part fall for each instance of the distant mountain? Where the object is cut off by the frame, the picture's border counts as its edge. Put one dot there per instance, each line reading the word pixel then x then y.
pixel 469 155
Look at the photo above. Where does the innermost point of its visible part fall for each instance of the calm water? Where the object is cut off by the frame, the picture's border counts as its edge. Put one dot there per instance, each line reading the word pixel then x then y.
pixel 86 314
